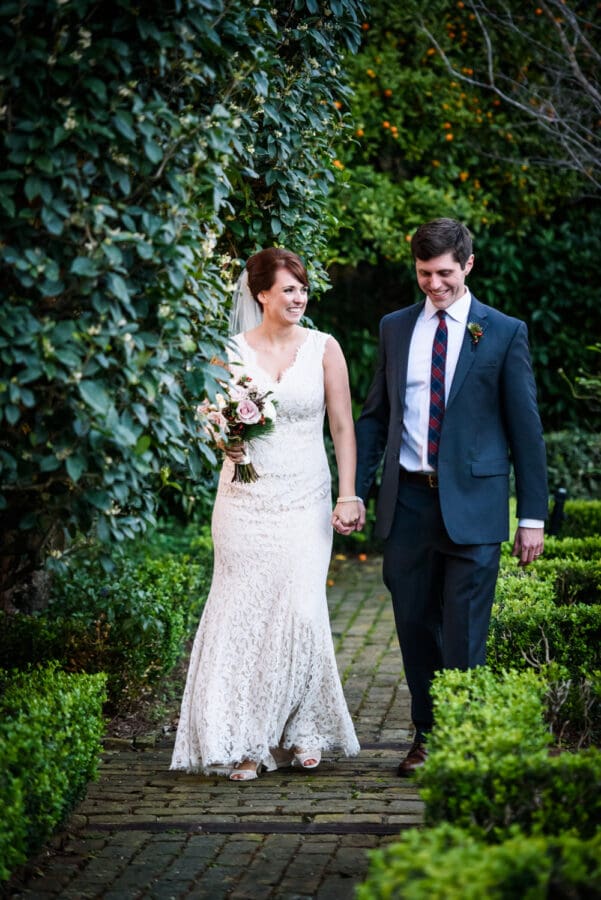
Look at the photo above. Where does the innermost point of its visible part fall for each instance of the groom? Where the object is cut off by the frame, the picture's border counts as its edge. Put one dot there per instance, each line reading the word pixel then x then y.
pixel 452 403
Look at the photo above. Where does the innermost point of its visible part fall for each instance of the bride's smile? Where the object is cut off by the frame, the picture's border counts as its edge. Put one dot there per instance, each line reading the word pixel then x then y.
pixel 287 297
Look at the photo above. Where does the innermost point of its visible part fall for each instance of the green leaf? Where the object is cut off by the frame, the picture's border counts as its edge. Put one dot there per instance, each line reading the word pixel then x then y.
pixel 118 287
pixel 153 151
pixel 52 221
pixel 33 186
pixel 142 445
pixel 83 265
pixel 12 414
pixel 7 204
pixel 97 87
pixel 76 466
pixel 123 122
pixel 45 164
pixel 95 395
pixel 99 499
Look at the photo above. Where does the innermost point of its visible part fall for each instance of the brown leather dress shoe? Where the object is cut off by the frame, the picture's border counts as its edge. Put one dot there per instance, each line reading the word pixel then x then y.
pixel 415 758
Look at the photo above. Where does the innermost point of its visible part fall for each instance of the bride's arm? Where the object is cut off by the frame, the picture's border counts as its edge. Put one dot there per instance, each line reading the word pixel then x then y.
pixel 346 513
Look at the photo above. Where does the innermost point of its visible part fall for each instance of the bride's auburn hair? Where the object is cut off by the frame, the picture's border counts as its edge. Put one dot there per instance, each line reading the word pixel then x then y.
pixel 262 268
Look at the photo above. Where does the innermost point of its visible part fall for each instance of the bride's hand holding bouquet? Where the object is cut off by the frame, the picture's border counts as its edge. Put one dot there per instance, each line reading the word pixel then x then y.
pixel 239 415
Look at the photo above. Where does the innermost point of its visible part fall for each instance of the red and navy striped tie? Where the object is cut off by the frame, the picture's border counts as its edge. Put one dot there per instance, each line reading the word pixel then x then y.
pixel 437 399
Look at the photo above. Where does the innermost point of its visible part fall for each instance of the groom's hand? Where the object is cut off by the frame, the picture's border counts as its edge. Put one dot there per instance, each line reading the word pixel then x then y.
pixel 528 544
pixel 362 514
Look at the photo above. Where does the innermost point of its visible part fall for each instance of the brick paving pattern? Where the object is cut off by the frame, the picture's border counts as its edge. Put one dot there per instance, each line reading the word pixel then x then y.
pixel 145 832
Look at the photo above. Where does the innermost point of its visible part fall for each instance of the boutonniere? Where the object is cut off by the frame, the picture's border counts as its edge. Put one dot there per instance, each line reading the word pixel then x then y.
pixel 476 331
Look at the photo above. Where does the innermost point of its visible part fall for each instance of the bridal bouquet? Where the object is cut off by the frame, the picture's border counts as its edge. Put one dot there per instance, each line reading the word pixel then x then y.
pixel 241 414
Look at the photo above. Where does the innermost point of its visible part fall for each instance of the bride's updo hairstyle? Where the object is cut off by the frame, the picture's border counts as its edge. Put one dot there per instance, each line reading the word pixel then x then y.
pixel 262 268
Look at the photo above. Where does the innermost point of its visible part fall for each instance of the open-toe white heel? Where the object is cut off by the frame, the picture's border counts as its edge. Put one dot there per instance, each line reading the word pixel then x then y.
pixel 309 759
pixel 245 774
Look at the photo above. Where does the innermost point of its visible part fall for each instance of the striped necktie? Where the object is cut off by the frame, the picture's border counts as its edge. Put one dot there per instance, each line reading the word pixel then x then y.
pixel 437 399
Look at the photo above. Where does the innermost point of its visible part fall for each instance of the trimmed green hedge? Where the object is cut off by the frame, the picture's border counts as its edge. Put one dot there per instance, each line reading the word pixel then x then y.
pixel 570 548
pixel 548 616
pixel 489 766
pixel 574 580
pixel 536 618
pixel 582 518
pixel 447 863
pixel 50 729
pixel 130 623
pixel 573 707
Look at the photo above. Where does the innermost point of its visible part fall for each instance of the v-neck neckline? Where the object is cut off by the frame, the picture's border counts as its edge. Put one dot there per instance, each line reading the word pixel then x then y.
pixel 285 371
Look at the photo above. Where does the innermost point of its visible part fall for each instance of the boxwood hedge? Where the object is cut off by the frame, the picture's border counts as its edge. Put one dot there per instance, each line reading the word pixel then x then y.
pixel 489 766
pixel 130 623
pixel 50 729
pixel 448 863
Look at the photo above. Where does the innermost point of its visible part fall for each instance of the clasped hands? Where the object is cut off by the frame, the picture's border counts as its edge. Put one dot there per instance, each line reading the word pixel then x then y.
pixel 348 516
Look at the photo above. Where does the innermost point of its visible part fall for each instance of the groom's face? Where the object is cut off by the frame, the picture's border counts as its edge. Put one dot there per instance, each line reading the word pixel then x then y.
pixel 442 278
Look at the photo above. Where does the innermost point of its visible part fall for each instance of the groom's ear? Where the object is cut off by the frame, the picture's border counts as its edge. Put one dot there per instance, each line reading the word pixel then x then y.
pixel 469 265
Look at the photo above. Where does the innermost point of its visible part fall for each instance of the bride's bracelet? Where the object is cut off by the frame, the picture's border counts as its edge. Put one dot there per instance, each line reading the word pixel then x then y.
pixel 348 500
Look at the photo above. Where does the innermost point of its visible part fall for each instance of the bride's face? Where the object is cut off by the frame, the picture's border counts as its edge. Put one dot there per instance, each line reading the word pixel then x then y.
pixel 286 299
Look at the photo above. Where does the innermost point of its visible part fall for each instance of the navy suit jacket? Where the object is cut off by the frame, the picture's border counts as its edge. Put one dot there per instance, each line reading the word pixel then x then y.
pixel 491 418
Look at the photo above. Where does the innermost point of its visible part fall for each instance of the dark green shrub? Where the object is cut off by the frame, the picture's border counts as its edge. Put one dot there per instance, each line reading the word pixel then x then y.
pixel 574 462
pixel 574 580
pixel 145 150
pixel 172 538
pixel 130 623
pixel 191 546
pixel 50 729
pixel 583 518
pixel 571 548
pixel 489 765
pixel 529 629
pixel 135 617
pixel 447 863
pixel 26 640
pixel 573 707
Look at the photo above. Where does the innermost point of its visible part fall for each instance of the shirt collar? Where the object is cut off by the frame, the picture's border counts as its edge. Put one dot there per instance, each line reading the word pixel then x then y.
pixel 458 311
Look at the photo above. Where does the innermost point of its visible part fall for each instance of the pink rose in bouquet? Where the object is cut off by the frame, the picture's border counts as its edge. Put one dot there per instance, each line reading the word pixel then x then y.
pixel 248 412
pixel 242 414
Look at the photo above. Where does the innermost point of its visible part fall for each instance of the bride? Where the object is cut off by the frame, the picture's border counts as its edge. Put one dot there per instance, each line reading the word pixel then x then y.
pixel 263 688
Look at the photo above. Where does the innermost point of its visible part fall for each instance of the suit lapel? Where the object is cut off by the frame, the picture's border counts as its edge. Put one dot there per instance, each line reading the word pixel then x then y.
pixel 467 354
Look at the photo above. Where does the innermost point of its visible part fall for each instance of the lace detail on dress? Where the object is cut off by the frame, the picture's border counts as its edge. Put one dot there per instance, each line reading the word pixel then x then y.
pixel 262 672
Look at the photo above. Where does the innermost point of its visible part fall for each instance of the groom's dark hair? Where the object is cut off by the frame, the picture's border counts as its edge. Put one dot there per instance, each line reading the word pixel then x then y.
pixel 442 236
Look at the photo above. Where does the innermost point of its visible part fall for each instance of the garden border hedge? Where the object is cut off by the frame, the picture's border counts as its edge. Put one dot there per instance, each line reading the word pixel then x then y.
pixel 489 766
pixel 51 726
pixel 448 862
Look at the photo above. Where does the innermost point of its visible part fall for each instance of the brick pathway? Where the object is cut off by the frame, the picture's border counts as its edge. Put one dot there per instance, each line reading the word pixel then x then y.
pixel 145 832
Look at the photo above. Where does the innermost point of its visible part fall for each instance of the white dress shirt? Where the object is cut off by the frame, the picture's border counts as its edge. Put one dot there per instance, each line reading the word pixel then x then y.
pixel 414 444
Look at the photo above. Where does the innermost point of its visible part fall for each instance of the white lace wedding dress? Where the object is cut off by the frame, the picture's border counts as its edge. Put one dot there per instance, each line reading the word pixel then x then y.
pixel 262 672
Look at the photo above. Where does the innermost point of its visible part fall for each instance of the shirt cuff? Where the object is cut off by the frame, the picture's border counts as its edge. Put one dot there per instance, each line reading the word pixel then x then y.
pixel 531 523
